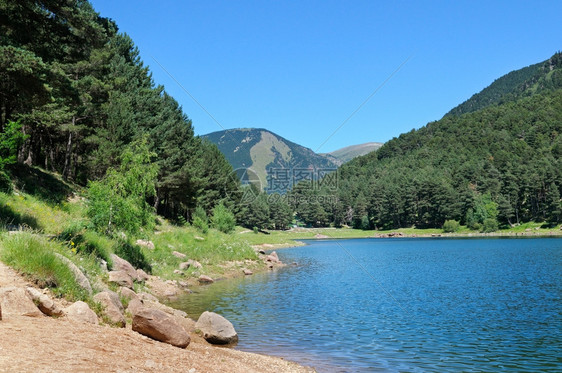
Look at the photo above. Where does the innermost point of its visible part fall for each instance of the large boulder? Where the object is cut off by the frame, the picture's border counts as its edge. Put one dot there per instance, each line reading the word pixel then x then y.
pixel 121 278
pixel 216 329
pixel 45 304
pixel 160 326
pixel 272 258
pixel 120 264
pixel 81 279
pixel 81 312
pixel 15 301
pixel 112 307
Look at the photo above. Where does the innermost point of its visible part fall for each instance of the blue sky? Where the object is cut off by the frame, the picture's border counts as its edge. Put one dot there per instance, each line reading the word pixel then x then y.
pixel 301 68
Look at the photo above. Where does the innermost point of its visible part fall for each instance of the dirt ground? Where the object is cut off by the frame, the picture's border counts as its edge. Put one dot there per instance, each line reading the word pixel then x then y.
pixel 45 344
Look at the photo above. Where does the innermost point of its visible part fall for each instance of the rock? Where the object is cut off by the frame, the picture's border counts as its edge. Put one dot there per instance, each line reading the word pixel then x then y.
pixel 205 279
pixel 272 258
pixel 184 265
pixel 146 243
pixel 178 254
pixel 178 272
pixel 160 326
pixel 15 301
pixel 121 278
pixel 142 275
pixel 199 238
pixel 120 264
pixel 216 329
pixel 44 303
pixel 127 293
pixel 112 307
pixel 81 279
pixel 261 251
pixel 134 306
pixel 194 263
pixel 81 312
pixel 183 284
pixel 147 297
pixel 247 272
pixel 321 236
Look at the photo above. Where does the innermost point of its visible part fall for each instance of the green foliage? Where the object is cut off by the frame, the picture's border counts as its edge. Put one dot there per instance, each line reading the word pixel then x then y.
pixel 133 254
pixel 86 242
pixel 489 225
pixel 200 220
pixel 35 256
pixel 10 138
pixel 451 226
pixel 223 219
pixel 118 201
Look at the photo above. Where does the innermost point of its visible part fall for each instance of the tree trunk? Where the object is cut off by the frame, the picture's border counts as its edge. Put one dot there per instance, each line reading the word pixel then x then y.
pixel 68 154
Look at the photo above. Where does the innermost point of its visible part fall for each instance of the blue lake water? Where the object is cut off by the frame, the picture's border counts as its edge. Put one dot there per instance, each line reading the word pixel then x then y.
pixel 408 305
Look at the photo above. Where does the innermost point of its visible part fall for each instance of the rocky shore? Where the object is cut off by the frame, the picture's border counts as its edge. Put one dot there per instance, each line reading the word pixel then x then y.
pixel 135 333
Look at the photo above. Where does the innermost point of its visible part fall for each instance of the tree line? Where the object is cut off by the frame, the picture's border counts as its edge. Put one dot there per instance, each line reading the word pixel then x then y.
pixel 74 94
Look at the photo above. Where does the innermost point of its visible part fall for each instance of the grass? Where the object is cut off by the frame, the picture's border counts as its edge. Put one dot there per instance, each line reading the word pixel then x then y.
pixel 34 256
pixel 210 249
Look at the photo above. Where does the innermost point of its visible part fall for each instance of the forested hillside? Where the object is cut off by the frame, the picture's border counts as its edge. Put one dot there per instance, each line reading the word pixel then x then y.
pixel 516 84
pixel 74 94
pixel 498 165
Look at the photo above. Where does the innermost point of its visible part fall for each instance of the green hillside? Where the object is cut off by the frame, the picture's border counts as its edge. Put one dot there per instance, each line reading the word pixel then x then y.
pixel 516 84
pixel 265 152
pixel 498 165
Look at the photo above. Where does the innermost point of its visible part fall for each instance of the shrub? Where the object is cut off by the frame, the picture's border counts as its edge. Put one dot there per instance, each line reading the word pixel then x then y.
pixel 86 242
pixel 223 219
pixel 200 220
pixel 451 226
pixel 133 254
pixel 490 225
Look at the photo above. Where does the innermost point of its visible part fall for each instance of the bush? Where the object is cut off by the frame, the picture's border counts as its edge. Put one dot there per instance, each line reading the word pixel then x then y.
pixel 200 220
pixel 223 219
pixel 490 225
pixel 133 254
pixel 35 256
pixel 451 226
pixel 86 242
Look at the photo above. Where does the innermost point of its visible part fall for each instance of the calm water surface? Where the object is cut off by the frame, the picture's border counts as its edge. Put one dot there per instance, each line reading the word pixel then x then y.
pixel 408 305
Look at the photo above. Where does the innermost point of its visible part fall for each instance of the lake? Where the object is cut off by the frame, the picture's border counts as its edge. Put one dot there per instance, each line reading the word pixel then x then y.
pixel 407 304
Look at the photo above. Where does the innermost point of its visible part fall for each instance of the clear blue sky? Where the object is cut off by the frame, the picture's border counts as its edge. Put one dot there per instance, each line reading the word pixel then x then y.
pixel 301 68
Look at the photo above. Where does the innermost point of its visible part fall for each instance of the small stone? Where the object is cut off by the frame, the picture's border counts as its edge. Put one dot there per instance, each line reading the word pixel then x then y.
pixel 247 272
pixel 146 243
pixel 204 279
pixel 184 265
pixel 199 238
pixel 113 309
pixel 194 263
pixel 45 304
pixel 178 272
pixel 142 275
pixel 127 293
pixel 80 311
pixel 121 278
pixel 177 254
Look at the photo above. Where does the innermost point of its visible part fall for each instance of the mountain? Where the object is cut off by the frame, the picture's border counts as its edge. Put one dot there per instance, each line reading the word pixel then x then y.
pixel 516 84
pixel 346 154
pixel 269 156
pixel 495 160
